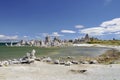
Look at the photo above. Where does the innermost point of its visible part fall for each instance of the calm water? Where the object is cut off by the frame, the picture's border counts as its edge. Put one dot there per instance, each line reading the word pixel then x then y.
pixel 80 51
pixel 17 52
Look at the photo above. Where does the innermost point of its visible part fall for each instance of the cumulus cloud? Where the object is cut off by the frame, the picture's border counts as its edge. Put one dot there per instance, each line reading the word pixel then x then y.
pixel 8 37
pixel 107 27
pixel 110 23
pixel 93 31
pixel 56 34
pixel 68 31
pixel 79 26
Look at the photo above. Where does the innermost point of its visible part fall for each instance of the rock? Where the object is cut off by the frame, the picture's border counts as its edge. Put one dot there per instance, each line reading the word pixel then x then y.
pixel 31 60
pixel 15 62
pixel 5 63
pixel 69 57
pixel 27 55
pixel 82 71
pixel 93 62
pixel 27 61
pixel 56 62
pixel 32 54
pixel 68 63
pixel 37 59
pixel 1 64
pixel 62 62
pixel 24 62
pixel 75 62
pixel 48 59
pixel 44 57
pixel 84 62
pixel 10 62
pixel 78 71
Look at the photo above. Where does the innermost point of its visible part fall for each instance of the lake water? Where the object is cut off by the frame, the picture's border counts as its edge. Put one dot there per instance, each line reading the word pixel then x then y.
pixel 80 51
pixel 17 52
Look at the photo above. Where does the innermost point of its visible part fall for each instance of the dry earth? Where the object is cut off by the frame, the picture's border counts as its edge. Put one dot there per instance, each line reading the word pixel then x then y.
pixel 45 71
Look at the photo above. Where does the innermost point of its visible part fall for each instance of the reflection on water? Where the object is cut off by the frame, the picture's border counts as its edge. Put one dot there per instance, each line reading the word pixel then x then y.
pixel 18 52
pixel 79 51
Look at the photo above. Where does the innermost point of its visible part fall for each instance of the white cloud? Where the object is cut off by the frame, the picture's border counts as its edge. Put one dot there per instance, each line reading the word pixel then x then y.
pixel 110 23
pixel 93 31
pixel 68 31
pixel 53 34
pixel 107 27
pixel 117 33
pixel 25 36
pixel 56 34
pixel 38 37
pixel 45 34
pixel 8 37
pixel 79 26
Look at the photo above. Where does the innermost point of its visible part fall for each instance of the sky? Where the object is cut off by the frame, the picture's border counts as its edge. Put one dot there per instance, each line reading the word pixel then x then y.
pixel 68 19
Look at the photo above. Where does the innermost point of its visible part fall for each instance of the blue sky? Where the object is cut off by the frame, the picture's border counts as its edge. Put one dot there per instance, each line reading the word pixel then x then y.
pixel 69 19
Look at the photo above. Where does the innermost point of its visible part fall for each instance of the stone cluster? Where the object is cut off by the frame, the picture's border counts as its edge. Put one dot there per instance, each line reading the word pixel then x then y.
pixel 29 58
pixel 65 62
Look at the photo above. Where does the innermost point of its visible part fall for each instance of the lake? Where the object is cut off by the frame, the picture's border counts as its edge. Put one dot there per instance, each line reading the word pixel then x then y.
pixel 17 52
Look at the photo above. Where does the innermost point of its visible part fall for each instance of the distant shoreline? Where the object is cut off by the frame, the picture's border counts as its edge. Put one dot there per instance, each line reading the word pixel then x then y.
pixel 98 45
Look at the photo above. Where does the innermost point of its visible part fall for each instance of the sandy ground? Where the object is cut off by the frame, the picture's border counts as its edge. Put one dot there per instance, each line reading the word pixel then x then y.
pixel 99 45
pixel 45 71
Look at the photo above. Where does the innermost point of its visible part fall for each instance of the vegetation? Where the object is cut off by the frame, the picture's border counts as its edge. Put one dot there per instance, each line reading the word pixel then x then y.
pixel 111 56
pixel 105 42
